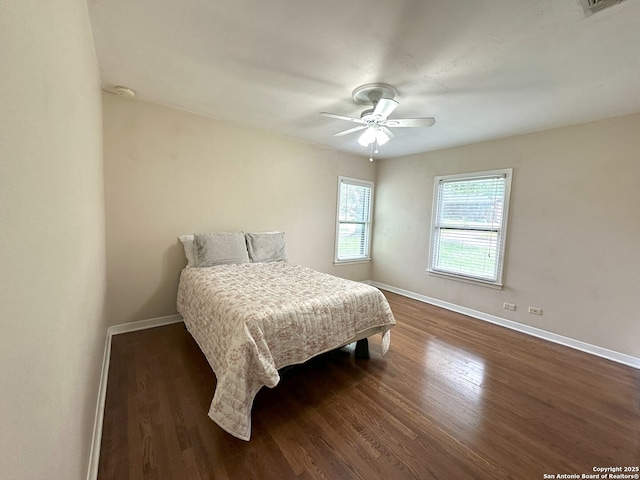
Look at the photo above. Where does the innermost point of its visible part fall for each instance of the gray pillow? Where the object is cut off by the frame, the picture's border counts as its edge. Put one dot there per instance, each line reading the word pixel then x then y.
pixel 266 247
pixel 220 248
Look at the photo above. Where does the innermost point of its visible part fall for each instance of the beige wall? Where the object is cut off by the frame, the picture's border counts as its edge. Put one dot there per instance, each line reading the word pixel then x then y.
pixel 52 237
pixel 169 173
pixel 574 229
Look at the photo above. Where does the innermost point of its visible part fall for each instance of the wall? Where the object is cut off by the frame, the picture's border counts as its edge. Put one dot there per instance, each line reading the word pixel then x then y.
pixel 169 173
pixel 573 236
pixel 52 232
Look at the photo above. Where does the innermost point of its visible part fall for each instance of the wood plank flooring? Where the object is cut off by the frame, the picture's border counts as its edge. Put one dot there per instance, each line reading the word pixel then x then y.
pixel 455 398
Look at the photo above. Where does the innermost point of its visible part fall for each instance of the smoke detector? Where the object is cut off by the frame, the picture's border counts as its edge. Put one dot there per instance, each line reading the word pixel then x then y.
pixel 124 91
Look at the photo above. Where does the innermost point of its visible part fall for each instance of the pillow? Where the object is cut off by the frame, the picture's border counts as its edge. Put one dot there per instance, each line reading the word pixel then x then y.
pixel 266 247
pixel 189 249
pixel 219 248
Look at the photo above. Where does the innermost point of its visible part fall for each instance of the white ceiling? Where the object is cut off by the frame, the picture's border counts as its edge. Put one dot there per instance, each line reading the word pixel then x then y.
pixel 483 68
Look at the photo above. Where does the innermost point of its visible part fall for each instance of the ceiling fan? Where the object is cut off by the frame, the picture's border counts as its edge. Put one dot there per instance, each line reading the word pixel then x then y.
pixel 374 121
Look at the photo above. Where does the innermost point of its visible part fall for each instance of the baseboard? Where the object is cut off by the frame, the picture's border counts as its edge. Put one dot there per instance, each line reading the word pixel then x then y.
pixel 533 331
pixel 94 453
pixel 144 324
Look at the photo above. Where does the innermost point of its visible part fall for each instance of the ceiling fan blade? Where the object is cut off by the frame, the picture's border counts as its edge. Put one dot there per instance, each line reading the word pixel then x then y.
pixel 388 132
pixel 342 117
pixel 385 107
pixel 410 122
pixel 351 130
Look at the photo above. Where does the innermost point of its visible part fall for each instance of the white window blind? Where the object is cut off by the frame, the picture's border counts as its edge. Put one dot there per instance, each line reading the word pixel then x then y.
pixel 353 228
pixel 469 225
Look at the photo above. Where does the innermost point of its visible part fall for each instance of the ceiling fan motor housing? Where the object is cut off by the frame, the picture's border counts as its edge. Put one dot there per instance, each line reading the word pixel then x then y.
pixel 369 117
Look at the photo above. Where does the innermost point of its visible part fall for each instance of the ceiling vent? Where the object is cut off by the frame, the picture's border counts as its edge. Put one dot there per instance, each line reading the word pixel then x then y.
pixel 594 6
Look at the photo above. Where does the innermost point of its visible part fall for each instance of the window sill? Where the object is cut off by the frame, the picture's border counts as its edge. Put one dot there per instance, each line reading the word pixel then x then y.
pixel 351 262
pixel 472 281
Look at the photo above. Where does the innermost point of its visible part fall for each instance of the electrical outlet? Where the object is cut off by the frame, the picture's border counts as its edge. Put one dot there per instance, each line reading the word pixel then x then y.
pixel 509 306
pixel 535 310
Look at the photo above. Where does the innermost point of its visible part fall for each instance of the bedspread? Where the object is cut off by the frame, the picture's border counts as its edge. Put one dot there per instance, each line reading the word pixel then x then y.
pixel 252 319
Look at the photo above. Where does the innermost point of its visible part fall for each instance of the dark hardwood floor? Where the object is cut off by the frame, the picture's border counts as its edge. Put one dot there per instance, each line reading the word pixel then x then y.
pixel 455 398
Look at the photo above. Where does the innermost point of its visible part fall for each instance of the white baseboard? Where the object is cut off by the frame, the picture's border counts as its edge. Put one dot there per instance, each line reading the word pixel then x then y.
pixel 536 332
pixel 94 453
pixel 144 324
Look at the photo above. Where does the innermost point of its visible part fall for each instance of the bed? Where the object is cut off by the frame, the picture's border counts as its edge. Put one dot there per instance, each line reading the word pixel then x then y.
pixel 252 318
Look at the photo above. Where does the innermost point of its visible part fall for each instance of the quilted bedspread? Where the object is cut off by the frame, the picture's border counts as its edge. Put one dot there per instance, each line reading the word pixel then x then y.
pixel 252 319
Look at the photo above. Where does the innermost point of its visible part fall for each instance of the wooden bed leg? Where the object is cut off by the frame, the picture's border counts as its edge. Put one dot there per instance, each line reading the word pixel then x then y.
pixel 362 348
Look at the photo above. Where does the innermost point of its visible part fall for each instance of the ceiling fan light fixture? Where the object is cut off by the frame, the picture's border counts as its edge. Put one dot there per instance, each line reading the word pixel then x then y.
pixel 368 137
pixel 381 137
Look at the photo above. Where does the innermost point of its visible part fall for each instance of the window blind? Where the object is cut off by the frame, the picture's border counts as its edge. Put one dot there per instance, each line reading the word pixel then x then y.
pixel 354 216
pixel 468 227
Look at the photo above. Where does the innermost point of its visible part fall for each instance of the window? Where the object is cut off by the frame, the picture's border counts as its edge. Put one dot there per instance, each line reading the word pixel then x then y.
pixel 469 225
pixel 353 226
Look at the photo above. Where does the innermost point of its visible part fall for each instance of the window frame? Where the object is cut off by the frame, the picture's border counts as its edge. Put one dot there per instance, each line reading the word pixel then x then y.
pixel 502 231
pixel 368 222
